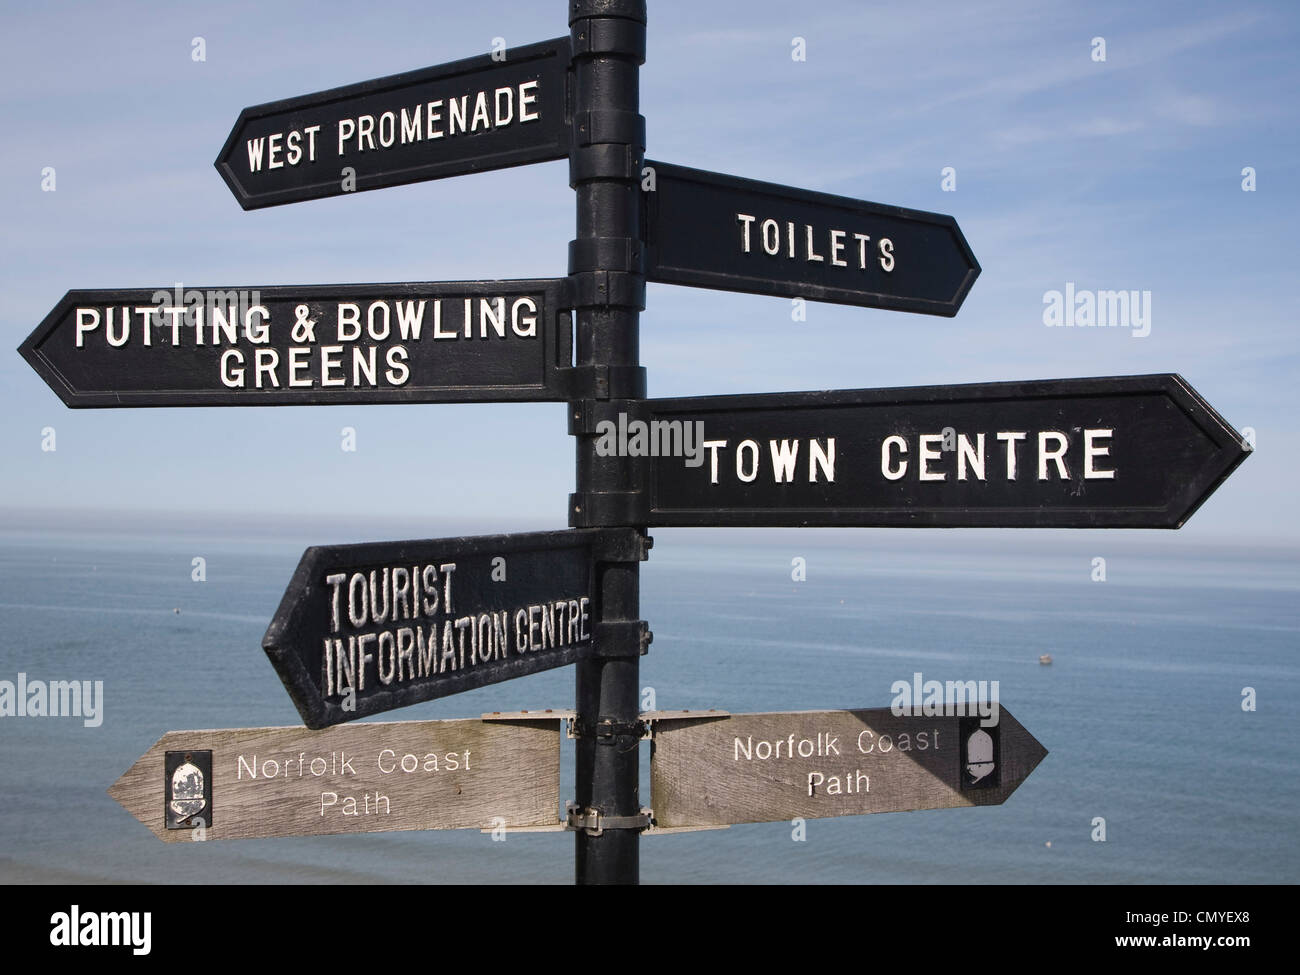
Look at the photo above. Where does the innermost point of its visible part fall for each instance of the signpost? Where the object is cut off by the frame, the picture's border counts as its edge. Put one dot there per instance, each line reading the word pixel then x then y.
pixel 713 231
pixel 482 113
pixel 248 783
pixel 711 770
pixel 1124 452
pixel 363 629
pixel 437 342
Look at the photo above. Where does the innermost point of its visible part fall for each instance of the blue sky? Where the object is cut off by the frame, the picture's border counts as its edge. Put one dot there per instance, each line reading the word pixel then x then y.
pixel 1122 174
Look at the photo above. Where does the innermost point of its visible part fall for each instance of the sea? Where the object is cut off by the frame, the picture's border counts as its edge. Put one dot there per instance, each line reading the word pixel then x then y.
pixel 1170 709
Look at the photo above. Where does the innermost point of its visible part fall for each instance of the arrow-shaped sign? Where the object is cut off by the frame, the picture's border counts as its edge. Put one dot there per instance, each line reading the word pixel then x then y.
pixel 714 231
pixel 1126 452
pixel 366 628
pixel 434 342
pixel 245 783
pixel 711 770
pixel 482 113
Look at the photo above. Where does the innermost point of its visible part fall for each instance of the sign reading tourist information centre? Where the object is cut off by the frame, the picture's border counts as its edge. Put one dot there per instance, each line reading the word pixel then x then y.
pixel 366 628
pixel 363 629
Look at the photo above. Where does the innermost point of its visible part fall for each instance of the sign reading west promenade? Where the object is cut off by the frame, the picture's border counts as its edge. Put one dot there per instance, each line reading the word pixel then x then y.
pixel 257 782
pixel 1125 452
pixel 754 768
pixel 435 342
pixel 713 231
pixel 472 115
pixel 366 628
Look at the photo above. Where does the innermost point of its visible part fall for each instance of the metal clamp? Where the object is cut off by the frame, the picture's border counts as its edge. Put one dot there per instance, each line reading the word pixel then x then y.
pixel 609 126
pixel 620 639
pixel 605 254
pixel 594 822
pixel 622 545
pixel 606 730
pixel 603 509
pixel 601 382
pixel 606 289
pixel 594 34
pixel 607 160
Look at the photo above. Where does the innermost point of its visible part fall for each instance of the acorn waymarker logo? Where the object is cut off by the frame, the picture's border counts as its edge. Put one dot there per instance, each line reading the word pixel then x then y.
pixel 110 929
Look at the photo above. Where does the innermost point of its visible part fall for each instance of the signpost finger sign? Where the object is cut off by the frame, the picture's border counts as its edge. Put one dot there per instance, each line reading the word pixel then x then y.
pixel 437 342
pixel 709 770
pixel 249 783
pixel 366 628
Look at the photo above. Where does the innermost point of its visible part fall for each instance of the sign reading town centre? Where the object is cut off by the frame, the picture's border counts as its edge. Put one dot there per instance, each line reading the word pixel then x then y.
pixel 366 628
pixel 246 783
pixel 714 231
pixel 707 770
pixel 1125 452
pixel 436 342
pixel 481 113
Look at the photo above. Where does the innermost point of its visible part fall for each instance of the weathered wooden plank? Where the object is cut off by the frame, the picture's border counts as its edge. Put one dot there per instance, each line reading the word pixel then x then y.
pixel 765 767
pixel 359 778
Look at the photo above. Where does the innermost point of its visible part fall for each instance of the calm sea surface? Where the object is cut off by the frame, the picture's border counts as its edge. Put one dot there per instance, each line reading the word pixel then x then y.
pixel 1141 709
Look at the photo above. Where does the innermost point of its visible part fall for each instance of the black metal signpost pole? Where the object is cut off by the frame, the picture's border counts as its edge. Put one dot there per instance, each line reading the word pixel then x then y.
pixel 608 290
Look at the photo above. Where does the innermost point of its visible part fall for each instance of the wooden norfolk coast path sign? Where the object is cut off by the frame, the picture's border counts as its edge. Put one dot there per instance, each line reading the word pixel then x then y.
pixel 716 770
pixel 363 629
pixel 364 778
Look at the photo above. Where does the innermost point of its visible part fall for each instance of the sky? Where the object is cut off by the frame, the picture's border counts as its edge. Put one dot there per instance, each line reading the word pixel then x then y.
pixel 1122 173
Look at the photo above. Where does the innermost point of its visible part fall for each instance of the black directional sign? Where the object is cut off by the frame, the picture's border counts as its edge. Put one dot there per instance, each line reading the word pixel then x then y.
pixel 1126 452
pixel 482 113
pixel 713 231
pixel 367 628
pixel 440 342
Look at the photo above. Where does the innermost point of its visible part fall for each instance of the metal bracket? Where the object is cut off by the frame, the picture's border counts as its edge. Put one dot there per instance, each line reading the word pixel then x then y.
pixel 586 416
pixel 605 160
pixel 609 126
pixel 594 34
pixel 622 545
pixel 594 822
pixel 606 254
pixel 602 382
pixel 599 509
pixel 616 639
pixel 607 289
pixel 653 718
pixel 606 730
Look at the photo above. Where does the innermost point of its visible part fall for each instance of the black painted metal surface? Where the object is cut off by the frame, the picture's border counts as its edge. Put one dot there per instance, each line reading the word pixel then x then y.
pixel 352 637
pixel 1135 452
pixel 608 40
pixel 387 150
pixel 337 343
pixel 714 231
